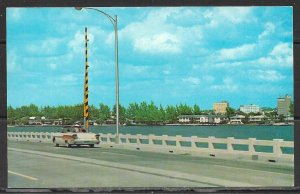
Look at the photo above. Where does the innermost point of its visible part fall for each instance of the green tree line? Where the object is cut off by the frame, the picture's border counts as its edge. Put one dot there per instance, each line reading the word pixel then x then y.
pixel 140 113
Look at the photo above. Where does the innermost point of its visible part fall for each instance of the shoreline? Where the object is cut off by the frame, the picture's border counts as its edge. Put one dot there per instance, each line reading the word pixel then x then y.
pixel 142 125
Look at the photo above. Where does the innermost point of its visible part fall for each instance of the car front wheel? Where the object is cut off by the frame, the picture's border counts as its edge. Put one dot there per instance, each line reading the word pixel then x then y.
pixel 56 144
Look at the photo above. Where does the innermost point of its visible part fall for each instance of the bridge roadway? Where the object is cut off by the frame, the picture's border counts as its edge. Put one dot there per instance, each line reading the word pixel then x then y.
pixel 41 165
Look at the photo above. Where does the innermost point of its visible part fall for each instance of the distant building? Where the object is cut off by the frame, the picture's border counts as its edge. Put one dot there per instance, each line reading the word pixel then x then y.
pixel 237 119
pixel 200 119
pixel 34 121
pixel 31 120
pixel 258 118
pixel 283 105
pixel 220 107
pixel 250 108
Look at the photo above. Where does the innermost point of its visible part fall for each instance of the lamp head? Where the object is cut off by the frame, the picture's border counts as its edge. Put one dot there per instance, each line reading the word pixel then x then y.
pixel 78 8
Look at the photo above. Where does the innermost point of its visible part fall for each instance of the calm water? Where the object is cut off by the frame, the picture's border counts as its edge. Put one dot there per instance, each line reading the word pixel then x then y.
pixel 238 132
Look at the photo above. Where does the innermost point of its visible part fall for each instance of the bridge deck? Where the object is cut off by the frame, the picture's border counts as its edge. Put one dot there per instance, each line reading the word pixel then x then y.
pixel 43 165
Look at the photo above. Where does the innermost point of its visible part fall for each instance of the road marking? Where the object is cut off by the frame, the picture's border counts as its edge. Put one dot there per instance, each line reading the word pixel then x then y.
pixel 22 175
pixel 145 170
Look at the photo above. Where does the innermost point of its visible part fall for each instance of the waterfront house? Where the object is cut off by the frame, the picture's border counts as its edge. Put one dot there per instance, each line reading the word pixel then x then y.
pixel 34 121
pixel 237 119
pixel 258 118
pixel 289 120
pixel 200 119
pixel 31 120
pixel 58 122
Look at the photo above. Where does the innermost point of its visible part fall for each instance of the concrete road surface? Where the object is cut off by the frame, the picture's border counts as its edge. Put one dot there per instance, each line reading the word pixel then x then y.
pixel 41 165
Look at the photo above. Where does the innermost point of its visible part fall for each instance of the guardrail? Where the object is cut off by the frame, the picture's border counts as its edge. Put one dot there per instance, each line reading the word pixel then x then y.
pixel 270 150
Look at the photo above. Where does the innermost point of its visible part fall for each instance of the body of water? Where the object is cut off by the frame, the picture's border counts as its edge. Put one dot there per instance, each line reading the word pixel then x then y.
pixel 221 131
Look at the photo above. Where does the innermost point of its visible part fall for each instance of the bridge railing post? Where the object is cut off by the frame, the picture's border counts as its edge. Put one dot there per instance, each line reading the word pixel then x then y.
pixel 20 136
pixel 193 142
pixel 178 139
pixel 150 139
pixel 108 138
pixel 251 148
pixel 230 141
pixel 210 143
pixel 164 140
pixel 138 139
pixel 277 147
pixel 127 138
pixel 31 136
pixel 28 136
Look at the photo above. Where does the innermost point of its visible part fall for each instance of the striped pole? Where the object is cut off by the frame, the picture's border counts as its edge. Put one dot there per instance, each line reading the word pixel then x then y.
pixel 86 89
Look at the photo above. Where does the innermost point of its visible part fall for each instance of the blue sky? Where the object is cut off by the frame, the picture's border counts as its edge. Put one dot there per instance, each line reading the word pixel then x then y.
pixel 192 55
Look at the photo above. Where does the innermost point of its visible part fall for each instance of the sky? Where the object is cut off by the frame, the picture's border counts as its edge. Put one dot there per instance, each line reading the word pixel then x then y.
pixel 192 55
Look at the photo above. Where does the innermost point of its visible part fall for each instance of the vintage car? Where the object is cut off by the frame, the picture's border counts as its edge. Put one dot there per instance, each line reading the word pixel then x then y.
pixel 75 135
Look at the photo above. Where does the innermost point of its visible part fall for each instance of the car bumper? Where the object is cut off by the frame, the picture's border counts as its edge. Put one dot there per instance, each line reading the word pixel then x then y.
pixel 83 142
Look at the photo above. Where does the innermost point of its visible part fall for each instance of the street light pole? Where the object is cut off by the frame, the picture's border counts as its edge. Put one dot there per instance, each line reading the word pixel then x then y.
pixel 114 22
pixel 117 77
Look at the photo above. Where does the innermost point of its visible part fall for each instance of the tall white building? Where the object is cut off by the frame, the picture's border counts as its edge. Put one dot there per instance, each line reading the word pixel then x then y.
pixel 283 105
pixel 250 108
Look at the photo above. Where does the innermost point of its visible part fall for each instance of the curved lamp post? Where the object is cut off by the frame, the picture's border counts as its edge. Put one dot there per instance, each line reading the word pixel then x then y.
pixel 114 22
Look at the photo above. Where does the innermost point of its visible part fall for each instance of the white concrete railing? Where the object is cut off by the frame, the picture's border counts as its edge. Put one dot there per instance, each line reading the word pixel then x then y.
pixel 178 143
pixel 30 136
pixel 191 144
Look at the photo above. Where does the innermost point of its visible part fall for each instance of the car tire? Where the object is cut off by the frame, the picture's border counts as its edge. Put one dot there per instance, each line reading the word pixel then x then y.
pixel 56 144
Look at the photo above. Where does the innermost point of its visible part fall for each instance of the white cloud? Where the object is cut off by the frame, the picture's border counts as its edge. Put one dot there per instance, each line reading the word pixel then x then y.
pixel 15 13
pixel 282 49
pixel 269 29
pixel 233 15
pixel 77 43
pixel 268 75
pixel 68 78
pixel 228 64
pixel 280 56
pixel 228 85
pixel 159 33
pixel 208 78
pixel 237 52
pixel 12 59
pixel 137 69
pixel 166 72
pixel 52 66
pixel 160 43
pixel 45 47
pixel 191 80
